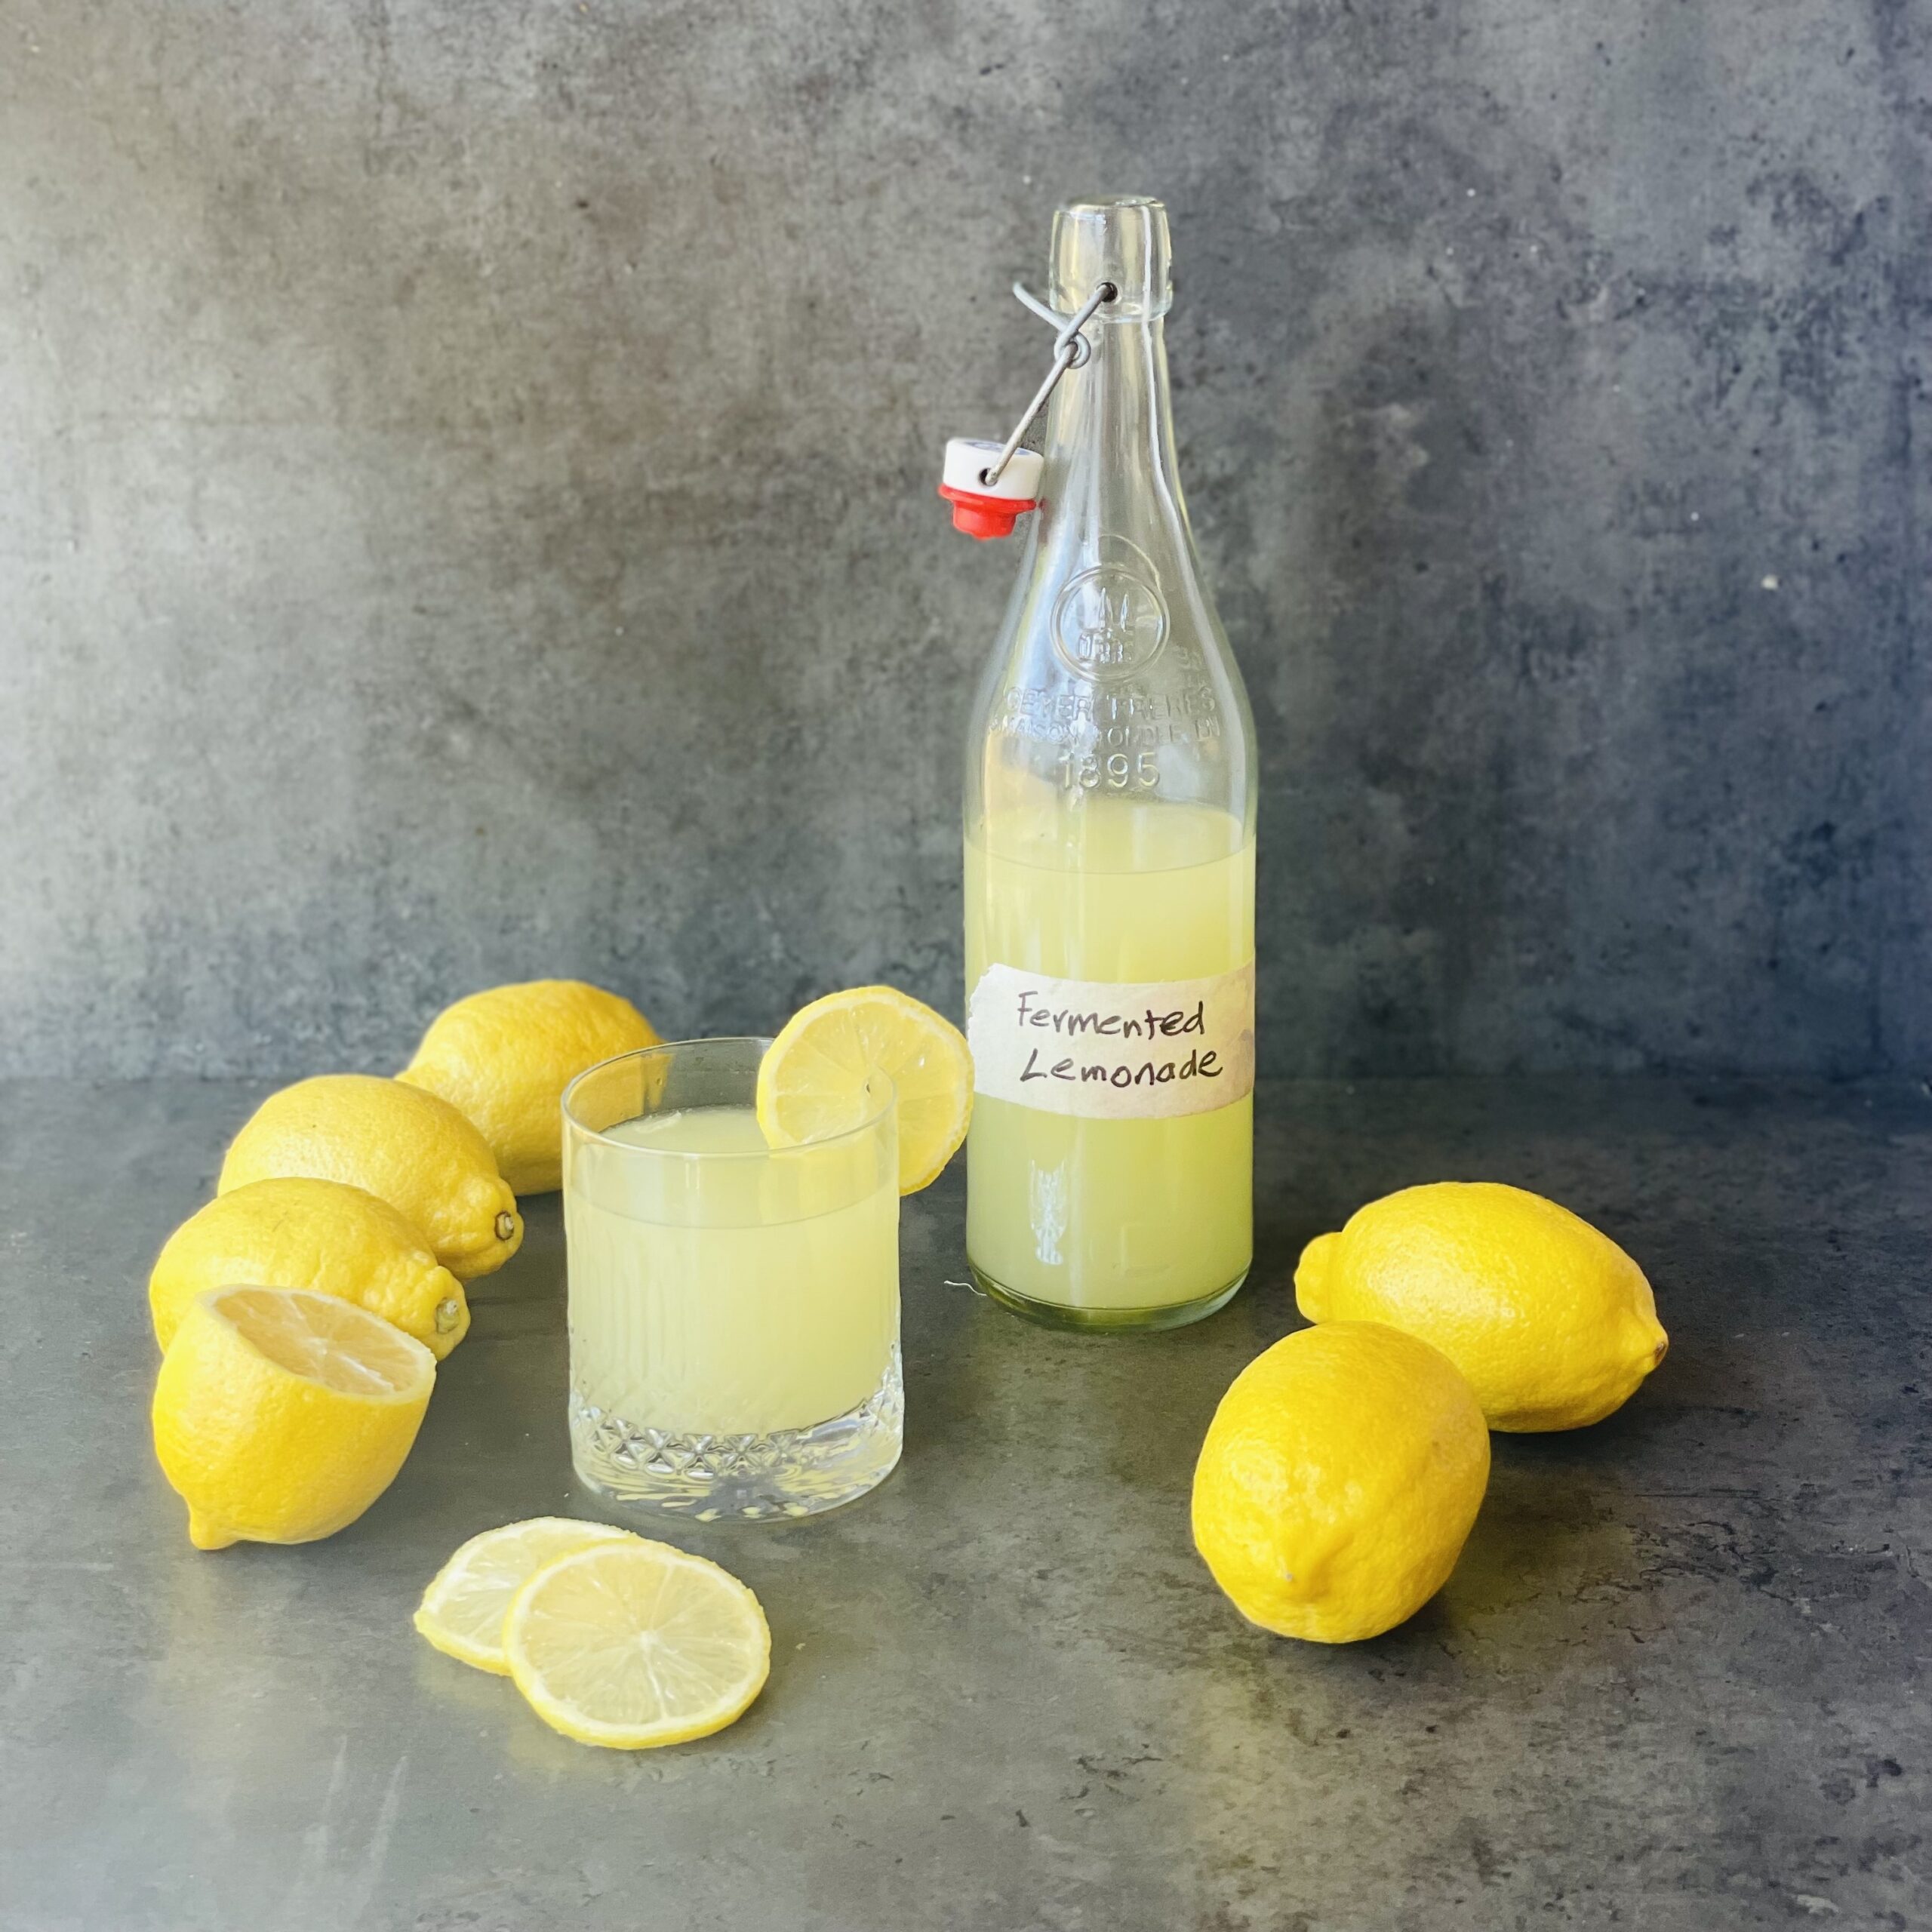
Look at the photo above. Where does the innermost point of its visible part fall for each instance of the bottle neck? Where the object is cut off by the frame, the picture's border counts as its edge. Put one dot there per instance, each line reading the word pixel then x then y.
pixel 1109 442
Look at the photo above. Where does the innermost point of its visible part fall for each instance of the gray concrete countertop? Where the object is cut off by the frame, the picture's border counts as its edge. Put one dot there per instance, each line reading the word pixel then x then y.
pixel 1678 1680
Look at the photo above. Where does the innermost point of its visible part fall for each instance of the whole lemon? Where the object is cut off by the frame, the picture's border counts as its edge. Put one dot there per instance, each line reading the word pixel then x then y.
pixel 281 1415
pixel 294 1232
pixel 1553 1323
pixel 1338 1480
pixel 406 1147
pixel 502 1058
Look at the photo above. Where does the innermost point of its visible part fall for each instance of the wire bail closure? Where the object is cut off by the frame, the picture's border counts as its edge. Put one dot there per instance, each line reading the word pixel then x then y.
pixel 1071 348
pixel 986 499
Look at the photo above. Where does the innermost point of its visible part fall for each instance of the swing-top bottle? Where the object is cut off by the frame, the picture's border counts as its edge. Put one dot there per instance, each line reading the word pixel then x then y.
pixel 1109 854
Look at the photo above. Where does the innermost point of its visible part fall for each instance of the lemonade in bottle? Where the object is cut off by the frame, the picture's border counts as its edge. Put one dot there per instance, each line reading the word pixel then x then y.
pixel 1109 854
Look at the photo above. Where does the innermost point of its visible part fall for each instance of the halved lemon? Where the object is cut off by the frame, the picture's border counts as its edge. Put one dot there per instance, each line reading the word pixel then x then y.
pixel 815 1079
pixel 631 1644
pixel 280 1414
pixel 463 1610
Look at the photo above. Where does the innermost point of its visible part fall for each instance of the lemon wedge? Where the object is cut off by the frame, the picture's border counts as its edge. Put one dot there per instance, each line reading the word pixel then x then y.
pixel 463 1610
pixel 280 1414
pixel 630 1645
pixel 816 1078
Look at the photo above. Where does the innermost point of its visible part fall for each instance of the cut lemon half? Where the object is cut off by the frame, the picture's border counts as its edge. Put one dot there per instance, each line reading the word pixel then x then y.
pixel 816 1079
pixel 630 1645
pixel 280 1414
pixel 463 1610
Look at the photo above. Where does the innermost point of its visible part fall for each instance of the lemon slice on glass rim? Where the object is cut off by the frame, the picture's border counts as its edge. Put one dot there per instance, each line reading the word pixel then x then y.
pixel 818 1077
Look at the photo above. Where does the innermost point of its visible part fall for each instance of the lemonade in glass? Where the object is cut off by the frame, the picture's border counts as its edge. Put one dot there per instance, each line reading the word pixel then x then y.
pixel 734 1306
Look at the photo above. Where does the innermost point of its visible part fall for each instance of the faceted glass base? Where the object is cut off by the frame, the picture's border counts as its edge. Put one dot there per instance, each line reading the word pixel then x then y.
pixel 1060 1314
pixel 716 1478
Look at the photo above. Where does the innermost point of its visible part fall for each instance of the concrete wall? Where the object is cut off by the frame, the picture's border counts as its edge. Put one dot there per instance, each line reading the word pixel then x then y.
pixel 466 505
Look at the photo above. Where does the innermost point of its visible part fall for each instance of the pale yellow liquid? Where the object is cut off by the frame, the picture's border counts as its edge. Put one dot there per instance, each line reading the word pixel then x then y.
pixel 731 1296
pixel 1110 1214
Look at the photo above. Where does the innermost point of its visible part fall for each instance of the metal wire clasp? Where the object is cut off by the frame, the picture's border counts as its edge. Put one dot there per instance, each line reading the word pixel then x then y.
pixel 1071 348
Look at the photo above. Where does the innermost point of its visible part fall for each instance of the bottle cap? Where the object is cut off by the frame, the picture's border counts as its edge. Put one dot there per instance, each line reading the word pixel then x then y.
pixel 981 509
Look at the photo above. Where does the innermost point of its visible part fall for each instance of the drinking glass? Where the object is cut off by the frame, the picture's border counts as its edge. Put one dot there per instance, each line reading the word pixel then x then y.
pixel 734 1306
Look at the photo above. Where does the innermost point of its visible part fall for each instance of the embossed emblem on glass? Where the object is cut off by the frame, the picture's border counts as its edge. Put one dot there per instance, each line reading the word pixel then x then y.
pixel 1109 623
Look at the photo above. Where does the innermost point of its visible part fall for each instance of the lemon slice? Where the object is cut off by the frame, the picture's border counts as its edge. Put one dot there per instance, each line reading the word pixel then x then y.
pixel 463 1610
pixel 815 1078
pixel 280 1414
pixel 630 1644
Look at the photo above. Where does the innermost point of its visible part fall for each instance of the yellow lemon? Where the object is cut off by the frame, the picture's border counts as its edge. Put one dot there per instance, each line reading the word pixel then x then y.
pixel 1552 1323
pixel 280 1415
pixel 503 1059
pixel 463 1610
pixel 633 1644
pixel 1338 1481
pixel 816 1077
pixel 299 1233
pixel 405 1146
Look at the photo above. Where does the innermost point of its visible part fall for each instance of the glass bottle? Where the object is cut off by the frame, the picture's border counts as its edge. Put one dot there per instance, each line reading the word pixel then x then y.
pixel 1109 856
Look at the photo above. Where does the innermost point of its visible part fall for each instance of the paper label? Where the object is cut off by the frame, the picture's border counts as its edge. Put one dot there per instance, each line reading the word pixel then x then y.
pixel 1112 1049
